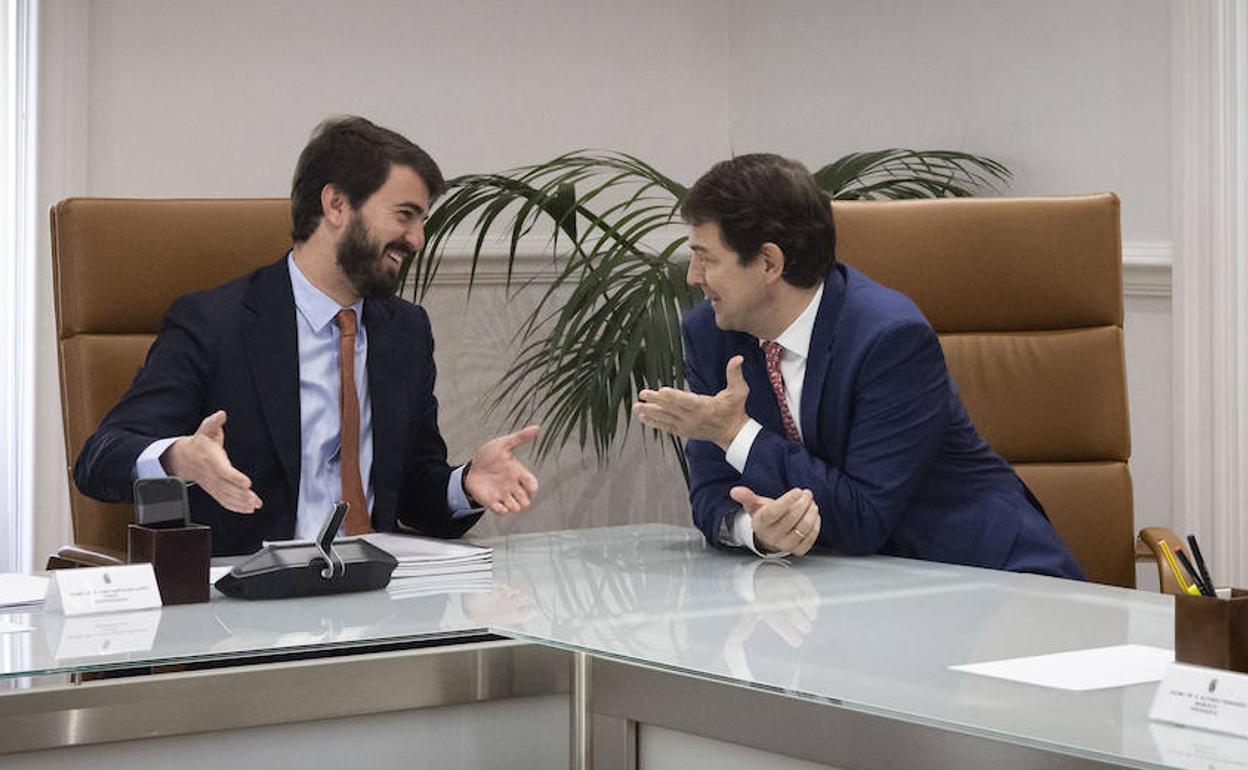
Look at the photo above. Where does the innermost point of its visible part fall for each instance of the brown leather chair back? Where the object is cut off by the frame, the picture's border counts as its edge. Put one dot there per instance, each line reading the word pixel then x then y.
pixel 117 265
pixel 1026 295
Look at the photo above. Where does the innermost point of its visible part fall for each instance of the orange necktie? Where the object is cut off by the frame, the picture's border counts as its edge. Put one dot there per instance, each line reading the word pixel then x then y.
pixel 358 520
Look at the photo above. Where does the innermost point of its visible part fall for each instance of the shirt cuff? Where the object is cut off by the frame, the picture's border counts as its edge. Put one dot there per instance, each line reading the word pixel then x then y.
pixel 739 450
pixel 740 532
pixel 148 465
pixel 455 497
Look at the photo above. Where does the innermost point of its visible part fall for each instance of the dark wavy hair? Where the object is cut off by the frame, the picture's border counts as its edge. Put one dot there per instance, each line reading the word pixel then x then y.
pixel 354 155
pixel 764 198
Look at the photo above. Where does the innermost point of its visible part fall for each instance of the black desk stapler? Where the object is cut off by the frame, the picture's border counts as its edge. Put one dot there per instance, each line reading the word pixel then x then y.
pixel 283 570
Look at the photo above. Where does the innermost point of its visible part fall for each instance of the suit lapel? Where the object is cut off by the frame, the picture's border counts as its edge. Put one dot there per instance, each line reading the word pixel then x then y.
pixel 388 406
pixel 761 404
pixel 272 345
pixel 819 357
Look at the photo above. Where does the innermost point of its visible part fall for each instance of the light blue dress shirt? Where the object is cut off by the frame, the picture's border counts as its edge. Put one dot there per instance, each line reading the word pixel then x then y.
pixel 320 481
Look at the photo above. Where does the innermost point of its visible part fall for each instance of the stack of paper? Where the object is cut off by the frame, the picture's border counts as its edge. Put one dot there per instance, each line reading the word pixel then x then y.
pixel 429 566
pixel 446 584
pixel 21 591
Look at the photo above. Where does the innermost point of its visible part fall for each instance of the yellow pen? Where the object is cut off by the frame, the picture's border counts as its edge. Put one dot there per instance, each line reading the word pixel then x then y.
pixel 1178 575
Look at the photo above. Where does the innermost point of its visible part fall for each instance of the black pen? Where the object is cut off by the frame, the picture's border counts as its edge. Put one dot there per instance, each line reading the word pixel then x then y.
pixel 1200 564
pixel 1187 565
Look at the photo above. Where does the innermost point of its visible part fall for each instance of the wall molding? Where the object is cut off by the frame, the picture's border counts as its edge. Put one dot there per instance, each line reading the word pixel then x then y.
pixel 1146 265
pixel 533 263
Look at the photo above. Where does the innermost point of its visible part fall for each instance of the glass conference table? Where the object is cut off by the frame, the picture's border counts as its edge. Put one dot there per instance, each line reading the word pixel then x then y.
pixel 650 640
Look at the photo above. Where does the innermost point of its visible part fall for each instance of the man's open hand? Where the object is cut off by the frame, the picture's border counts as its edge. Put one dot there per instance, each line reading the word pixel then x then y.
pixel 201 458
pixel 715 418
pixel 497 479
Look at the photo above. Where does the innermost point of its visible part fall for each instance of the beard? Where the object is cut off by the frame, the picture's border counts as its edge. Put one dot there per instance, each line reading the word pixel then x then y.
pixel 363 262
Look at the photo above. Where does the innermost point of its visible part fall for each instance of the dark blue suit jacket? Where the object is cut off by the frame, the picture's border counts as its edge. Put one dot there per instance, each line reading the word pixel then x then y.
pixel 888 450
pixel 236 348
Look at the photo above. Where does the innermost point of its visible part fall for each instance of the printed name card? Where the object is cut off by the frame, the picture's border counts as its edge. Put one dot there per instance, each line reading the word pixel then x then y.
pixel 90 590
pixel 1205 698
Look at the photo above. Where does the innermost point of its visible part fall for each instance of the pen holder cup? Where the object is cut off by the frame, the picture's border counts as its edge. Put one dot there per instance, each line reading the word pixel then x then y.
pixel 1211 631
pixel 179 557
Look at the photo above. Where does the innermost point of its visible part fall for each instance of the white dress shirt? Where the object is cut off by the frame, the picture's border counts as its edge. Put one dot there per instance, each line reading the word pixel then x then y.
pixel 739 529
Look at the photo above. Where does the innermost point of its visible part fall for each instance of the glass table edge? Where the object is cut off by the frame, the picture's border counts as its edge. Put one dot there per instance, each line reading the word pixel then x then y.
pixel 862 708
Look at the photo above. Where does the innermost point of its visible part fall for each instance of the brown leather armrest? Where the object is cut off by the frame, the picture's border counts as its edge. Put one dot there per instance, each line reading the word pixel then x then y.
pixel 76 555
pixel 1153 537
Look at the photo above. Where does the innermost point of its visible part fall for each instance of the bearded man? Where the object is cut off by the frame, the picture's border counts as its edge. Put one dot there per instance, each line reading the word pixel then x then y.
pixel 326 378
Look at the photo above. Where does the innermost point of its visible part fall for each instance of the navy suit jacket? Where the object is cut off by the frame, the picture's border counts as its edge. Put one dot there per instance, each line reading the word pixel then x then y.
pixel 236 348
pixel 888 450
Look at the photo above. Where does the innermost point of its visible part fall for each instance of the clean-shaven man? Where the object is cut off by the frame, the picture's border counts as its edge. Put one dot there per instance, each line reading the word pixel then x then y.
pixel 821 409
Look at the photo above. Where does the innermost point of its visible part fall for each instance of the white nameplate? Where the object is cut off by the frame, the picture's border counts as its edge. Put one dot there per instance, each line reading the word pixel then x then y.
pixel 88 590
pixel 1205 698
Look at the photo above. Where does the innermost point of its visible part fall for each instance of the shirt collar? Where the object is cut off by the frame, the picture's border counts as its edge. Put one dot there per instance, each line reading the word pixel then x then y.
pixel 316 307
pixel 796 338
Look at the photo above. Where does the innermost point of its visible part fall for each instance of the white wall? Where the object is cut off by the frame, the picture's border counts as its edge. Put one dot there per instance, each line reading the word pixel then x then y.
pixel 181 98
pixel 1072 95
pixel 238 85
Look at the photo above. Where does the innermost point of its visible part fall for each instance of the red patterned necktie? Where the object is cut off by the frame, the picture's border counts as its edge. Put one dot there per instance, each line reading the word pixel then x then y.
pixel 773 350
pixel 358 520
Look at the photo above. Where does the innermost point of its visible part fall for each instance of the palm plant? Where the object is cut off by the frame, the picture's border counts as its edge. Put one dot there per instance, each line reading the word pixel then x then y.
pixel 608 324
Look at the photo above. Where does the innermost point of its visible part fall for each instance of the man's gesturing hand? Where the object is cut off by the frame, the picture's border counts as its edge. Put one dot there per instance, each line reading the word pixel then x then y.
pixel 715 418
pixel 789 523
pixel 497 479
pixel 201 458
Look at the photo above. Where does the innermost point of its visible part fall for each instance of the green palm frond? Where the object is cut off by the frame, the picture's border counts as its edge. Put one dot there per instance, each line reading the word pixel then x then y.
pixel 608 323
pixel 896 174
pixel 529 194
pixel 584 355
pixel 618 331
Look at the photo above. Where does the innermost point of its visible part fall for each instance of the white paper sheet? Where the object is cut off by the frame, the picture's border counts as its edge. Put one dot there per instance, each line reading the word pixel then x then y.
pixel 435 566
pixel 18 590
pixel 1093 669
pixel 410 548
